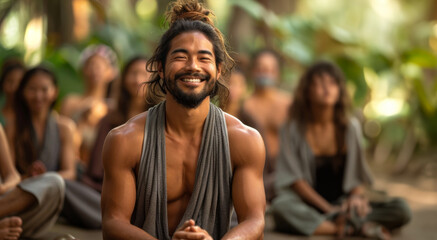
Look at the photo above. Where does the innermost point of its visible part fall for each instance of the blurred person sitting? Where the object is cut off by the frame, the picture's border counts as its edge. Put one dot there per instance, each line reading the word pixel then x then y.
pixel 321 168
pixel 11 74
pixel 99 69
pixel 237 96
pixel 28 208
pixel 268 108
pixel 42 141
pixel 130 102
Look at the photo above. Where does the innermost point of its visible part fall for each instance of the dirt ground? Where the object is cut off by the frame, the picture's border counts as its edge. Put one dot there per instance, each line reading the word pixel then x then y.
pixel 420 192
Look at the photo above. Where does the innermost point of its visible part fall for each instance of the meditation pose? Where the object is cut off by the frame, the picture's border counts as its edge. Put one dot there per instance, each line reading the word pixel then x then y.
pixel 267 107
pixel 321 168
pixel 42 141
pixel 177 170
pixel 28 208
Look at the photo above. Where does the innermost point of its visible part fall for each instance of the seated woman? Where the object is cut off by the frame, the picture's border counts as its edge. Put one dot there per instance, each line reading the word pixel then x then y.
pixel 28 208
pixel 322 172
pixel 130 102
pixel 42 141
pixel 99 69
pixel 12 72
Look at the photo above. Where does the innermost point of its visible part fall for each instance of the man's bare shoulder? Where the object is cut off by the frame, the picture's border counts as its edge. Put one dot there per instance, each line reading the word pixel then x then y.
pixel 124 143
pixel 244 141
pixel 236 127
pixel 133 128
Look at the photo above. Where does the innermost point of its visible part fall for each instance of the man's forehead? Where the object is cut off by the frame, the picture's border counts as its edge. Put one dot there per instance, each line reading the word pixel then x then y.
pixel 192 41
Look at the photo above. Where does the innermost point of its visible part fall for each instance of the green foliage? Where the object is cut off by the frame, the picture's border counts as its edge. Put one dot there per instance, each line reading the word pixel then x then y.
pixel 366 39
pixel 391 43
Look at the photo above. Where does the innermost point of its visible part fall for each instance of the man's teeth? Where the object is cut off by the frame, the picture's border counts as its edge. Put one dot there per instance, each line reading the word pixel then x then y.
pixel 193 80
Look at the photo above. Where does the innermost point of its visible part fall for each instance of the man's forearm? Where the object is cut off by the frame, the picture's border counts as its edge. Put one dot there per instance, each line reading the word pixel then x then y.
pixel 248 229
pixel 114 229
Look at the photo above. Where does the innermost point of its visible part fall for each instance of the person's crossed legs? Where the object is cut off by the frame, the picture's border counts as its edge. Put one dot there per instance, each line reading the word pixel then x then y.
pixel 13 202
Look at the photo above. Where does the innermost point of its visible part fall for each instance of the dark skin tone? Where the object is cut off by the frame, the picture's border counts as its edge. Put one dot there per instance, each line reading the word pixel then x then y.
pixel 192 52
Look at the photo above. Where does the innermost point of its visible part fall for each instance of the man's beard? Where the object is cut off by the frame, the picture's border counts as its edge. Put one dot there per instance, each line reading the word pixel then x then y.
pixel 190 100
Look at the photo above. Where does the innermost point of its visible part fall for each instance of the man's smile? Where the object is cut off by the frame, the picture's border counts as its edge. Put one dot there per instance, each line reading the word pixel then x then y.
pixel 192 80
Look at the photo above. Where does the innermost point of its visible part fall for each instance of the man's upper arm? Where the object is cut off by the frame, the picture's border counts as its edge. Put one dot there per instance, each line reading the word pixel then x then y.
pixel 119 188
pixel 248 157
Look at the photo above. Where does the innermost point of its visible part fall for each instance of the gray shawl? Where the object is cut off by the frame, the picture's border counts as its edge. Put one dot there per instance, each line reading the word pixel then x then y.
pixel 49 151
pixel 210 204
pixel 296 159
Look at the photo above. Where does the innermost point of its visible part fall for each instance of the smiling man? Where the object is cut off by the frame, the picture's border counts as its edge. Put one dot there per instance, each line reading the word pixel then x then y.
pixel 176 171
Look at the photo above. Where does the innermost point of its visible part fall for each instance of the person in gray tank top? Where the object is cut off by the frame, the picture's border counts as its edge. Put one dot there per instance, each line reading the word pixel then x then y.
pixel 178 170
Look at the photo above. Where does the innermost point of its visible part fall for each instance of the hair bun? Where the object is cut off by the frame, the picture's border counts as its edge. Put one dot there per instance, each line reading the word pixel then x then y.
pixel 189 10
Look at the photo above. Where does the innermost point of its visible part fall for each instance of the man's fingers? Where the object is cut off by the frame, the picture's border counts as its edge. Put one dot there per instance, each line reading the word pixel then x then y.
pixel 187 224
pixel 195 229
pixel 189 235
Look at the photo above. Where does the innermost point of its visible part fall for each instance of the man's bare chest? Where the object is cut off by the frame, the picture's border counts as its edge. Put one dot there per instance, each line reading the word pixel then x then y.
pixel 181 165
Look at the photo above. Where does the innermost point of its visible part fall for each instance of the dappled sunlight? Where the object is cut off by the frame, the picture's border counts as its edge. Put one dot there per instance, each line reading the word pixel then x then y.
pixel 146 8
pixel 11 31
pixel 34 38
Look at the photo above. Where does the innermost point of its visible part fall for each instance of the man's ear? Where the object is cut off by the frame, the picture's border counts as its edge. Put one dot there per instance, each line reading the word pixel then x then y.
pixel 219 70
pixel 160 71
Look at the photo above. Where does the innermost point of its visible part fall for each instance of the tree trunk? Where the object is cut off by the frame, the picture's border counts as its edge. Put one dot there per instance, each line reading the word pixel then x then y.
pixel 433 10
pixel 60 21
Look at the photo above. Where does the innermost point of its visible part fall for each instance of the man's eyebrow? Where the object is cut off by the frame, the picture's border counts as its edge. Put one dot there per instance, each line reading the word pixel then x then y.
pixel 179 50
pixel 206 52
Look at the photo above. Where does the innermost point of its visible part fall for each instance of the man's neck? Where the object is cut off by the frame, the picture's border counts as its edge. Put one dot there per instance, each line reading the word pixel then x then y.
pixel 185 122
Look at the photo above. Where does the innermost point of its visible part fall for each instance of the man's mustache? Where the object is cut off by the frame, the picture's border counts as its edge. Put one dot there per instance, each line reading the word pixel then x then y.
pixel 193 75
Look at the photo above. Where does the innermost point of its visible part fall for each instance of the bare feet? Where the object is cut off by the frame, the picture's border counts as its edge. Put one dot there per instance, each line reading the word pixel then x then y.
pixel 374 230
pixel 10 228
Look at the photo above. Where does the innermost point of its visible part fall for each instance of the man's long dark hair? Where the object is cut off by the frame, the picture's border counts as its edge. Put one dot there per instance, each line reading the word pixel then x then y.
pixel 300 110
pixel 188 16
pixel 25 151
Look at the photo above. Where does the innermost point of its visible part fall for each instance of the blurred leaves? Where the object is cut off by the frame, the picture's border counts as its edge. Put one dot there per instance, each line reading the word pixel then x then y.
pixel 421 57
pixel 384 50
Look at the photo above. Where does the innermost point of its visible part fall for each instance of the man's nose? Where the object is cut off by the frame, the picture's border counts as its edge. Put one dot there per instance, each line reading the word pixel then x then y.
pixel 193 65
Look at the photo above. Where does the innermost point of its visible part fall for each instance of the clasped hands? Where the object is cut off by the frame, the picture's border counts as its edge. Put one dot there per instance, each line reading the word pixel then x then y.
pixel 189 230
pixel 357 203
